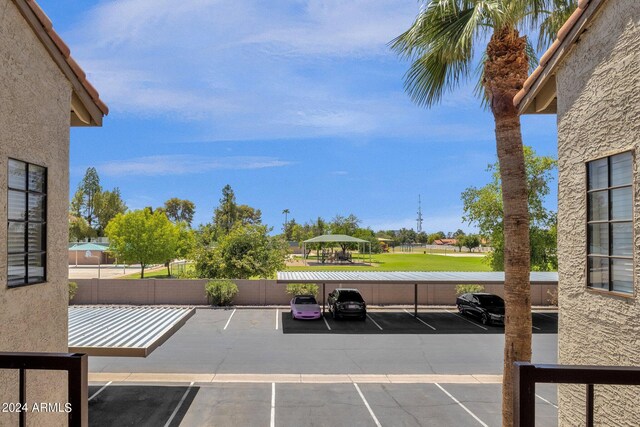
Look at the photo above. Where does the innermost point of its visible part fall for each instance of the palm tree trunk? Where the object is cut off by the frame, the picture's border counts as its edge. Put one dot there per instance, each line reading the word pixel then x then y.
pixel 505 71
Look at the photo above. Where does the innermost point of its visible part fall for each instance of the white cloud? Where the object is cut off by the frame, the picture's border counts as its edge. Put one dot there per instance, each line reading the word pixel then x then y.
pixel 248 69
pixel 185 164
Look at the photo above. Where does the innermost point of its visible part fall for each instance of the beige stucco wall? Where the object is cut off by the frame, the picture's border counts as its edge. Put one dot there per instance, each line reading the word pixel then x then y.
pixel 598 114
pixel 35 100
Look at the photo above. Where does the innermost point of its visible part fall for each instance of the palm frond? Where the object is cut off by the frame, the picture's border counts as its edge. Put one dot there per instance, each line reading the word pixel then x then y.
pixel 440 44
pixel 560 12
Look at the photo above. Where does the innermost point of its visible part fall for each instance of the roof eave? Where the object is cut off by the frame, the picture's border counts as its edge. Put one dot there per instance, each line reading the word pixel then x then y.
pixel 539 94
pixel 86 108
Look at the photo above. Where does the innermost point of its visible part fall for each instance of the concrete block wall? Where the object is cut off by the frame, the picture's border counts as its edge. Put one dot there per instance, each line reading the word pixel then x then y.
pixel 265 292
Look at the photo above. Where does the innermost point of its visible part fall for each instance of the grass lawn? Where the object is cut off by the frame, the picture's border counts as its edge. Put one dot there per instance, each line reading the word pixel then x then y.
pixel 407 262
pixel 383 262
pixel 160 273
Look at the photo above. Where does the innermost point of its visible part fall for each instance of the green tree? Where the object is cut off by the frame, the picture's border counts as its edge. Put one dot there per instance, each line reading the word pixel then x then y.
pixel 79 229
pixel 248 215
pixel 108 205
pixel 180 210
pixel 228 214
pixel 344 225
pixel 225 215
pixel 483 207
pixel 436 236
pixel 185 244
pixel 441 45
pixel 245 252
pixel 85 200
pixel 142 237
pixel 470 241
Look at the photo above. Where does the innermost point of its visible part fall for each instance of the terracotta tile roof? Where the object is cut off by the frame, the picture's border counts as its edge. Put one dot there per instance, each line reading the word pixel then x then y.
pixel 47 25
pixel 544 60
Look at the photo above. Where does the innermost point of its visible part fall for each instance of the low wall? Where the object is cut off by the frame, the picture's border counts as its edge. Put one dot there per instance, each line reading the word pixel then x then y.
pixel 265 292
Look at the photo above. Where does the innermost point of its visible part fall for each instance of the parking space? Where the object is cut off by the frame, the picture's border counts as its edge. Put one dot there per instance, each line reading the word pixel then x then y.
pixel 402 321
pixel 319 404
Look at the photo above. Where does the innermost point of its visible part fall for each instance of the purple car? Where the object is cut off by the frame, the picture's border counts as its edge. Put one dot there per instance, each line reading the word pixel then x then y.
pixel 305 307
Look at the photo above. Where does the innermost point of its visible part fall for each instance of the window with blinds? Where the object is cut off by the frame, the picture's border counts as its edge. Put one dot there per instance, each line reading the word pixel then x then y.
pixel 27 225
pixel 610 223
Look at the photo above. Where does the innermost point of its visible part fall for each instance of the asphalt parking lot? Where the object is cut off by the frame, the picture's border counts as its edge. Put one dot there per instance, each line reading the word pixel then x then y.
pixel 282 404
pixel 258 367
pixel 388 342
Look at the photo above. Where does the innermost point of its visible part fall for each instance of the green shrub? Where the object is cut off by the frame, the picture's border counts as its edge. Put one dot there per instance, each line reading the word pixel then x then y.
pixel 221 292
pixel 302 289
pixel 73 288
pixel 465 289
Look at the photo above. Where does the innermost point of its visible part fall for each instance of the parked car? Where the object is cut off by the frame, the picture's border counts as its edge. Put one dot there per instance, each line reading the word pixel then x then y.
pixel 488 308
pixel 305 307
pixel 347 303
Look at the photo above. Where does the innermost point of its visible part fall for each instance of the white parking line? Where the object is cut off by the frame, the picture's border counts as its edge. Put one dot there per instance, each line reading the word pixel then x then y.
pixel 277 310
pixel 326 323
pixel 232 313
pixel 461 405
pixel 175 411
pixel 419 319
pixel 273 404
pixel 545 400
pixel 375 420
pixel 374 322
pixel 100 391
pixel 467 320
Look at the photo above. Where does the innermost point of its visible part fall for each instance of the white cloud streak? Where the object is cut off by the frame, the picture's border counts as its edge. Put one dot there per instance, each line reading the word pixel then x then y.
pixel 249 69
pixel 185 164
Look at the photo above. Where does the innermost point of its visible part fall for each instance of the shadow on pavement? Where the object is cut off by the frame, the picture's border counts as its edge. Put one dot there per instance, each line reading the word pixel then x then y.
pixel 139 405
pixel 403 322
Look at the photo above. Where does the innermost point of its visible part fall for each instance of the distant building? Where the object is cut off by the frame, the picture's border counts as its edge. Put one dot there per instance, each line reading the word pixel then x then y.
pixel 445 242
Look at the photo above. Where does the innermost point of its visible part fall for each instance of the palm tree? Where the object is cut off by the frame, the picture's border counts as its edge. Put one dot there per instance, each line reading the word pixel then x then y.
pixel 440 44
pixel 285 212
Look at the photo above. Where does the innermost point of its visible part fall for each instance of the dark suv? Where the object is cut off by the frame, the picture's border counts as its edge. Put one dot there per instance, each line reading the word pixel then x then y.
pixel 347 303
pixel 488 308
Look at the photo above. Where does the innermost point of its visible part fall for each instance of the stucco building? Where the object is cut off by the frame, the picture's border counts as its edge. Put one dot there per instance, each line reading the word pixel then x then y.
pixel 590 78
pixel 43 91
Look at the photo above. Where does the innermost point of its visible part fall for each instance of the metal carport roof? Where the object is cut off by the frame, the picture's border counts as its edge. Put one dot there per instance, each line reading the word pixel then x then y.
pixel 415 277
pixel 406 277
pixel 123 331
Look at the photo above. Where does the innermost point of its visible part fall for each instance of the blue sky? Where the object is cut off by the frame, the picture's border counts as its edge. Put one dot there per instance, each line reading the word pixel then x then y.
pixel 296 104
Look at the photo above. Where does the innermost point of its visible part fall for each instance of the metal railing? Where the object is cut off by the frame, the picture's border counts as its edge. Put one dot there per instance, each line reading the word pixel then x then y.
pixel 76 366
pixel 526 376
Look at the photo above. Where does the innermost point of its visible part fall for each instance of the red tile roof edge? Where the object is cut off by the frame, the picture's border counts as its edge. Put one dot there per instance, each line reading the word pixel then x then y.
pixel 47 25
pixel 544 60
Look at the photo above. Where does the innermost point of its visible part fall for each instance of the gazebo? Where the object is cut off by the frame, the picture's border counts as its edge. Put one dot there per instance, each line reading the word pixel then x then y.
pixel 88 248
pixel 338 238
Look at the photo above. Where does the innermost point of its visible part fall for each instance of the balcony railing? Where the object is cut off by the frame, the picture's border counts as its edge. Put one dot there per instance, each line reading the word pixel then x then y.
pixel 527 375
pixel 76 366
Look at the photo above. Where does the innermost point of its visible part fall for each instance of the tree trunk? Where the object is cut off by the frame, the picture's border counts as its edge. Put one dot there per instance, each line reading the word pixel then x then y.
pixel 142 271
pixel 504 74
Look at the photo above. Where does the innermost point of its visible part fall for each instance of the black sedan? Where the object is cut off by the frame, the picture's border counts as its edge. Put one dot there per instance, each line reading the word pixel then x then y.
pixel 488 308
pixel 347 303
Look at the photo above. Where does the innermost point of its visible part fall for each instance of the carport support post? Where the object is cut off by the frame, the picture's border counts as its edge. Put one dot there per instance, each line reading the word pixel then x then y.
pixel 415 300
pixel 324 296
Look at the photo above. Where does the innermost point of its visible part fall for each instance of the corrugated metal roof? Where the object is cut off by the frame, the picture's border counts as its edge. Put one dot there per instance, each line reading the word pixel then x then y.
pixel 123 331
pixel 406 277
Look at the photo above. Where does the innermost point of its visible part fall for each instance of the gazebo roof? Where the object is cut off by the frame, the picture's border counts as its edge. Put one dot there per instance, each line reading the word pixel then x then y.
pixel 88 247
pixel 336 238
